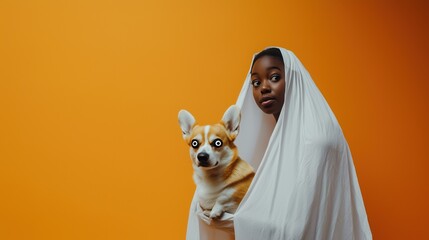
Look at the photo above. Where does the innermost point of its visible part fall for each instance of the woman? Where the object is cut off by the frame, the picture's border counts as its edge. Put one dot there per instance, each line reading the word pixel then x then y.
pixel 305 185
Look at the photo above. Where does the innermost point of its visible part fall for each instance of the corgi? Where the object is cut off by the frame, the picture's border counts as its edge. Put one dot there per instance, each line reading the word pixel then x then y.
pixel 221 176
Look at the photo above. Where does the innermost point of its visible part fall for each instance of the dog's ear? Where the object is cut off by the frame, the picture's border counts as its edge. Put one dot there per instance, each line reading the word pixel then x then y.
pixel 231 121
pixel 186 121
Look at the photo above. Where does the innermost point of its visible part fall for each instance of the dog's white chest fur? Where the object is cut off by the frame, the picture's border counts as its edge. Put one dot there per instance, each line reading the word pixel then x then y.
pixel 209 196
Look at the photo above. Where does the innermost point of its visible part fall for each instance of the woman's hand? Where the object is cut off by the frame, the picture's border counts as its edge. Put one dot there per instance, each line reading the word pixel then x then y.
pixel 225 221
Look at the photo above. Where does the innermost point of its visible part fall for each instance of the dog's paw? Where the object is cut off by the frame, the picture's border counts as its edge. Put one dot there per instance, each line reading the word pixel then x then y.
pixel 216 213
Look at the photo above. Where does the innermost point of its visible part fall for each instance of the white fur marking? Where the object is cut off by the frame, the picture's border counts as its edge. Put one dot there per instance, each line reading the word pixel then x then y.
pixel 206 132
pixel 206 146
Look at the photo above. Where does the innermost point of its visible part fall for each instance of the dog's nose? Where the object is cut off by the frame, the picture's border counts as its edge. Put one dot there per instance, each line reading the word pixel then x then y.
pixel 203 157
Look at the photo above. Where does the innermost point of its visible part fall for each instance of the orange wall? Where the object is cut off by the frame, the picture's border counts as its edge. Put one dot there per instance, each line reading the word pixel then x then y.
pixel 90 147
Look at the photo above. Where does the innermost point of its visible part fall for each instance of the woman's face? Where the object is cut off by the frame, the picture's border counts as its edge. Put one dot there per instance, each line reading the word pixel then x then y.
pixel 268 81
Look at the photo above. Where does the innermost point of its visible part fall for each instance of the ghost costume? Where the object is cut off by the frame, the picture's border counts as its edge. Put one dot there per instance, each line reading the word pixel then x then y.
pixel 305 185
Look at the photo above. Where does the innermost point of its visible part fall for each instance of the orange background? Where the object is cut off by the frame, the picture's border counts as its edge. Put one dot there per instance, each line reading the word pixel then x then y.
pixel 90 147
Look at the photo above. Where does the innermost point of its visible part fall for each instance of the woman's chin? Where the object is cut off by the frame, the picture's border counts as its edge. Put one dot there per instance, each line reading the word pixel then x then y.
pixel 268 110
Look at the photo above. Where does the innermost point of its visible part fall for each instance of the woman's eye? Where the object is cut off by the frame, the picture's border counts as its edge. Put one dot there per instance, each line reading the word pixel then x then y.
pixel 195 143
pixel 217 143
pixel 275 77
pixel 256 83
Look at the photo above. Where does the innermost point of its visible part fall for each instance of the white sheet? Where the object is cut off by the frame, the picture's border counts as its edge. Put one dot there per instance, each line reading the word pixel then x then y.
pixel 305 185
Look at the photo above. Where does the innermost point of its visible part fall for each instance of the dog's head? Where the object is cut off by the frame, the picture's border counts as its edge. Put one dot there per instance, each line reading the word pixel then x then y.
pixel 211 145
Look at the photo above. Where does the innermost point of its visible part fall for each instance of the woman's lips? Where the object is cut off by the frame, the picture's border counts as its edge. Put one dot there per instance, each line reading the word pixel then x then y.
pixel 267 102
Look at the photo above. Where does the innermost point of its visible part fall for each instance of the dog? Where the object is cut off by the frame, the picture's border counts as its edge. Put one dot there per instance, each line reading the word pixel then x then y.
pixel 221 176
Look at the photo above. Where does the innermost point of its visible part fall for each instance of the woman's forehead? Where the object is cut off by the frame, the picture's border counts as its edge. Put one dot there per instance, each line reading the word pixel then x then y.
pixel 267 63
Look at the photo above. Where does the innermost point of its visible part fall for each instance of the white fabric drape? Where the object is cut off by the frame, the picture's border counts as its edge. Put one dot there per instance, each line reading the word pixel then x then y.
pixel 305 185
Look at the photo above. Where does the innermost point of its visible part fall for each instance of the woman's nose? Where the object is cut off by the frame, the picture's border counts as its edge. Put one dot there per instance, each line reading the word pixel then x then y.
pixel 265 87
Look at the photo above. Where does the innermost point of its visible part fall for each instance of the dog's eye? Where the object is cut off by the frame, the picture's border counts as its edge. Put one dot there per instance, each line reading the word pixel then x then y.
pixel 195 143
pixel 217 143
